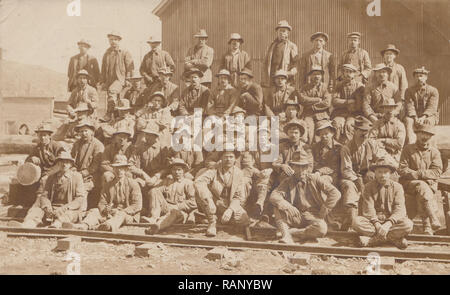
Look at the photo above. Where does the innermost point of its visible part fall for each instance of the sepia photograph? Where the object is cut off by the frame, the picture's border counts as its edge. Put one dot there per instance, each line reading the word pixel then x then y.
pixel 193 138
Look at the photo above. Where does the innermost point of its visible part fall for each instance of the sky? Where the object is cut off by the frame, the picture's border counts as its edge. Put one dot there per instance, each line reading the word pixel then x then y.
pixel 42 33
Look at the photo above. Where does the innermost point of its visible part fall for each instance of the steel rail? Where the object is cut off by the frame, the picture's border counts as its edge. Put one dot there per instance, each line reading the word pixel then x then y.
pixel 435 256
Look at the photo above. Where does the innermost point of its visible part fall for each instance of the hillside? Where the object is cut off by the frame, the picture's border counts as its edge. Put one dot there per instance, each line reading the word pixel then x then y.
pixel 18 79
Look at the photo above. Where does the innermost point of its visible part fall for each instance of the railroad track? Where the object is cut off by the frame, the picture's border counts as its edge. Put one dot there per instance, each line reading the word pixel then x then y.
pixel 430 255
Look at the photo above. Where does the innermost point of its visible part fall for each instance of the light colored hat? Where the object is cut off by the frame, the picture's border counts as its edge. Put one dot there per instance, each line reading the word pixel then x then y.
pixel 201 34
pixel 84 42
pixel 65 156
pixel 83 73
pixel 384 161
pixel 136 75
pixel 82 107
pixel 85 122
pixel 237 110
pixel 426 128
pixel 120 161
pixel 389 103
pixel 44 127
pixel 165 71
pixel 123 105
pixel 179 162
pixel 154 39
pixel 151 129
pixel 382 66
pixel 390 47
pixel 280 73
pixel 300 162
pixel 349 67
pixel 159 94
pixel 121 130
pixel 354 34
pixel 295 122
pixel 317 34
pixel 421 70
pixel 28 173
pixel 323 124
pixel 223 72
pixel 363 123
pixel 115 34
pixel 235 36
pixel 316 69
pixel 247 72
pixel 283 24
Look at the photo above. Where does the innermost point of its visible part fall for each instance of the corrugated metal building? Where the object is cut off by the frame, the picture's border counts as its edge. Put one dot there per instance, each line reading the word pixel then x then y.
pixel 419 28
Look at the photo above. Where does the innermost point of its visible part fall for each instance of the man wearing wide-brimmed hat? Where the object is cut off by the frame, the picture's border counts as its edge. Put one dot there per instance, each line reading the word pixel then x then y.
pixel 327 152
pixel 136 93
pixel 155 60
pixel 316 101
pixel 389 131
pixel 62 198
pixel 201 57
pixel 302 202
pixel 171 90
pixel 83 93
pixel 420 168
pixel 173 200
pixel 318 57
pixel 194 96
pixel 224 97
pixel 279 94
pixel 292 110
pixel 220 193
pixel 347 103
pixel 282 54
pixel 383 209
pixel 235 60
pixel 356 56
pixel 87 153
pixel 356 158
pixel 378 93
pixel 251 97
pixel 421 103
pixel 83 61
pixel 120 201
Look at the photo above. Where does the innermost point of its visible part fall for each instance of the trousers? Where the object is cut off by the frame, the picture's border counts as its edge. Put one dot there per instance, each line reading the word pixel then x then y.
pixel 399 230
pixel 313 225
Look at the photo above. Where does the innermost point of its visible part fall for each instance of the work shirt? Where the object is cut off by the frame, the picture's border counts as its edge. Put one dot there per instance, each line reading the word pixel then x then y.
pixel 276 99
pixel 180 193
pixel 116 65
pixel 345 91
pixel 360 59
pixel 357 158
pixel 47 155
pixel 155 60
pixel 390 135
pixel 221 101
pixel 422 100
pixel 87 155
pixel 123 194
pixel 316 101
pixel 327 158
pixel 377 95
pixel 194 97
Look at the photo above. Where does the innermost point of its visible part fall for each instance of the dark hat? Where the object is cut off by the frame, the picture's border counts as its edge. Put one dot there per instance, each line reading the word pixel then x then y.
pixel 389 103
pixel 317 34
pixel 362 123
pixel 295 122
pixel 85 122
pixel 114 34
pixel 280 73
pixel 283 24
pixel 235 36
pixel 382 66
pixel 165 71
pixel 121 130
pixel 354 34
pixel 323 124
pixel 384 161
pixel 390 47
pixel 426 128
pixel 120 161
pixel 316 69
pixel 349 67
pixel 421 70
pixel 201 34
pixel 179 162
pixel 247 72
pixel 84 42
pixel 223 72
pixel 194 71
pixel 44 127
pixel 65 156
pixel 135 76
pixel 300 162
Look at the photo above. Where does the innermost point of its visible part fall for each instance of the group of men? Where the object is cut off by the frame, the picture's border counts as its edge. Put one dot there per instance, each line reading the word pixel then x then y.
pixel 354 153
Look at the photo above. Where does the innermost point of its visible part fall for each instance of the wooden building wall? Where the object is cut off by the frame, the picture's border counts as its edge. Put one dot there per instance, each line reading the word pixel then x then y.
pixel 419 28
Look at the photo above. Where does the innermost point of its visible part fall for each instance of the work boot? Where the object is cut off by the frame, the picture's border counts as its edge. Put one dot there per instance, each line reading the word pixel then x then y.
pixel 402 243
pixel 370 241
pixel 427 230
pixel 211 231
pixel 435 224
pixel 55 224
pixel 104 227
pixel 145 219
pixel 350 214
pixel 164 222
pixel 286 237
pixel 78 226
pixel 14 223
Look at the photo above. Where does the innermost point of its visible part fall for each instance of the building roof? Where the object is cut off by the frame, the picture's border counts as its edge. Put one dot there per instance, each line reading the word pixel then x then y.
pixel 159 9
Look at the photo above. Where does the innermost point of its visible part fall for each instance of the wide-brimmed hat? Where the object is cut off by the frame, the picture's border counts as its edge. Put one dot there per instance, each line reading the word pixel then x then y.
pixel 122 130
pixel 120 161
pixel 291 102
pixel 362 123
pixel 154 39
pixel 380 67
pixel 135 75
pixel 283 24
pixel 157 94
pixel 85 122
pixel 237 110
pixel 354 34
pixel 389 103
pixel 84 42
pixel 191 71
pixel 115 34
pixel 323 124
pixel 295 122
pixel 223 72
pixel 425 128
pixel 280 73
pixel 247 72
pixel 65 156
pixel 384 161
pixel 44 127
pixel 317 34
pixel 349 67
pixel 151 129
pixel 421 70
pixel 179 162
pixel 123 105
pixel 201 34
pixel 165 71
pixel 390 47
pixel 316 69
pixel 82 107
pixel 236 153
pixel 235 36
pixel 83 73
pixel 300 162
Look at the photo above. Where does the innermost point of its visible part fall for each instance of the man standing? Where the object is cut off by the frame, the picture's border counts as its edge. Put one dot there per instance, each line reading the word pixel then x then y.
pixel 83 61
pixel 279 94
pixel 224 97
pixel 251 94
pixel 62 198
pixel 83 93
pixel 318 57
pixel 398 73
pixel 201 56
pixel 281 55
pixel 174 199
pixel 235 60
pixel 380 92
pixel 302 202
pixel 155 60
pixel 422 102
pixel 356 56
pixel 117 65
pixel 383 209
pixel 420 168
